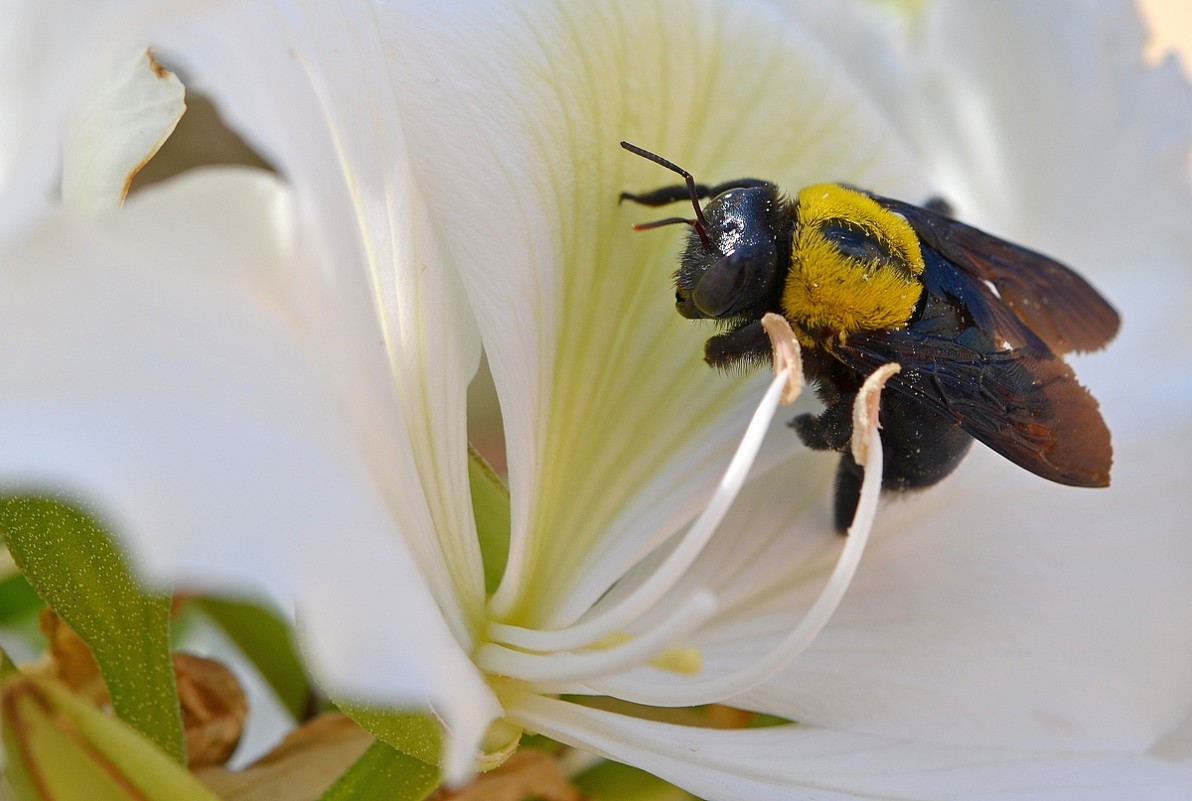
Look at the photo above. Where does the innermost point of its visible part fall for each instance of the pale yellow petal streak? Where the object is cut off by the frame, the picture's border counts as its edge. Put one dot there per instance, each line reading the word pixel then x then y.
pixel 628 411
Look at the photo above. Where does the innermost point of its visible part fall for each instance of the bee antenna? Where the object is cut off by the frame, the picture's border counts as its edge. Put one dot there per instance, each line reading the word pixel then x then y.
pixel 672 221
pixel 700 223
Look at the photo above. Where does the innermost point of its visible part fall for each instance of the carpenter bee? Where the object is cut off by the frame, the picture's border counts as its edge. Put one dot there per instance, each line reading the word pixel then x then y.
pixel 978 325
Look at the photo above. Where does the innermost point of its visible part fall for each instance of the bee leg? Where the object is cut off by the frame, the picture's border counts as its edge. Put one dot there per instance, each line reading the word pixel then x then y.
pixel 848 492
pixel 830 430
pixel 747 345
pixel 664 195
pixel 678 192
pixel 940 206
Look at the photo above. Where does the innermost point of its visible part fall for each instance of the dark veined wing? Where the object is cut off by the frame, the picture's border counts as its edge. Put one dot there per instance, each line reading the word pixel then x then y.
pixel 1024 404
pixel 1056 304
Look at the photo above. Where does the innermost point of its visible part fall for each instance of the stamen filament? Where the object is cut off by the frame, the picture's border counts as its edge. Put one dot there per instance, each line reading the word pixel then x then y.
pixel 867 443
pixel 620 615
pixel 588 665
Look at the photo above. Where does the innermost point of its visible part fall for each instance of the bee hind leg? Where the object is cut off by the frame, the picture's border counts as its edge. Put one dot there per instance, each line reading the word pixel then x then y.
pixel 848 492
pixel 831 430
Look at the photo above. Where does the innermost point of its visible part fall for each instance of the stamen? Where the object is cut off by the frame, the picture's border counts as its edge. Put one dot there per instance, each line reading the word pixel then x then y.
pixel 867 443
pixel 788 357
pixel 865 409
pixel 685 659
pixel 636 603
pixel 587 665
pixel 676 658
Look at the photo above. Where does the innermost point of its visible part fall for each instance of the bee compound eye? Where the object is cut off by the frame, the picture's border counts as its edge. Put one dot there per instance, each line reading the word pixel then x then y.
pixel 721 286
pixel 740 283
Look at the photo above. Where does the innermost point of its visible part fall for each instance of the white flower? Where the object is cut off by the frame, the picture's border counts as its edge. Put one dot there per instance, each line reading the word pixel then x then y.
pixel 261 381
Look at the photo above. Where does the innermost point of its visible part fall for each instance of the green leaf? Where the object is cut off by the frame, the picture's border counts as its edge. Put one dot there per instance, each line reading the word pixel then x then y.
pixel 18 601
pixel 78 569
pixel 413 734
pixel 490 505
pixel 420 734
pixel 384 774
pixel 266 640
pixel 62 748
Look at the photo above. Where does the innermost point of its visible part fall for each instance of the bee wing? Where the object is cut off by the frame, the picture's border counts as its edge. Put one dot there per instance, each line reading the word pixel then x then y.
pixel 1059 306
pixel 1025 404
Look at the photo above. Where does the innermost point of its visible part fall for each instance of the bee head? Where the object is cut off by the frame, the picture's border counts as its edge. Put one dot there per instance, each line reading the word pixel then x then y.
pixel 734 273
pixel 731 265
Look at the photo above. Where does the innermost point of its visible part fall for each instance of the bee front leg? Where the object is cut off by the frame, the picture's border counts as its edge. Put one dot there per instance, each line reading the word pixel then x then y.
pixel 747 345
pixel 673 194
pixel 831 430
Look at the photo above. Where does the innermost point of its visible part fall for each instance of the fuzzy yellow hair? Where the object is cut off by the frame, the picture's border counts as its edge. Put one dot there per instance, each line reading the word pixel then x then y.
pixel 827 288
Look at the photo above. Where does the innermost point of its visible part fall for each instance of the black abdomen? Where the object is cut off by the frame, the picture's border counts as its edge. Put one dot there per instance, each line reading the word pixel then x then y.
pixel 921 447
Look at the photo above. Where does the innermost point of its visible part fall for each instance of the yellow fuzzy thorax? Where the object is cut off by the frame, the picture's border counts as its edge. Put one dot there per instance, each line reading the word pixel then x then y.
pixel 874 287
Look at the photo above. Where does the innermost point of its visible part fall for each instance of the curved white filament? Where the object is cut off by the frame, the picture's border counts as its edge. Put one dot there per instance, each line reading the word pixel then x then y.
pixel 583 666
pixel 866 442
pixel 661 581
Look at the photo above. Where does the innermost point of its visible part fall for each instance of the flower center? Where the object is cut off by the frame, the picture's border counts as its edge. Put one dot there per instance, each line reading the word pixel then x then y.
pixel 651 624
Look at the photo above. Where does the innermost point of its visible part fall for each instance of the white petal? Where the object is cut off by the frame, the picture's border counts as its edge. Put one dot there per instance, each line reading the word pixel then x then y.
pixel 798 629
pixel 1178 742
pixel 617 430
pixel 868 41
pixel 130 114
pixel 1004 611
pixel 161 366
pixel 50 53
pixel 1072 146
pixel 801 762
pixel 629 602
pixel 306 83
pixel 998 608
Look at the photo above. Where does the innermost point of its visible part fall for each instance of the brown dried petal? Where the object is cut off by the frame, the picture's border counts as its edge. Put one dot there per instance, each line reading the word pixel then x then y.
pixel 526 774
pixel 299 769
pixel 214 709
pixel 70 659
